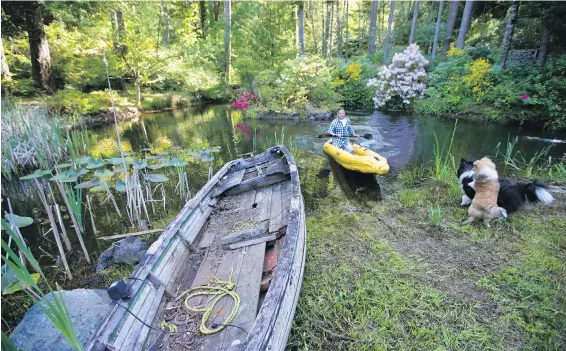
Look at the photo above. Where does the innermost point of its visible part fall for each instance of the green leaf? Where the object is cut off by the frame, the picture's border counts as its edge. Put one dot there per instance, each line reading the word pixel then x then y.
pixel 95 164
pixel 120 169
pixel 64 165
pixel 104 174
pixel 37 174
pixel 140 164
pixel 85 160
pixel 89 184
pixel 157 166
pixel 20 222
pixel 65 178
pixel 115 161
pixel 17 286
pixel 156 178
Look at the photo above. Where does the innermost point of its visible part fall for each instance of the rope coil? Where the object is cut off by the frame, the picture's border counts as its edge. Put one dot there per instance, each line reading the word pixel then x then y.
pixel 224 288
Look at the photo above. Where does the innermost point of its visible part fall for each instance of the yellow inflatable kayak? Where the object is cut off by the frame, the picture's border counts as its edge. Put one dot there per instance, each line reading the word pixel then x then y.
pixel 364 160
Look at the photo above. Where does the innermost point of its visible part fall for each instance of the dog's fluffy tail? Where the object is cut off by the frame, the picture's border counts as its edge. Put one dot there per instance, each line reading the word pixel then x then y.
pixel 537 191
pixel 497 212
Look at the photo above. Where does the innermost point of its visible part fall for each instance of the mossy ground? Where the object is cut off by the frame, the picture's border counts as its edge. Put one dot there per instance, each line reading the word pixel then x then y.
pixel 406 274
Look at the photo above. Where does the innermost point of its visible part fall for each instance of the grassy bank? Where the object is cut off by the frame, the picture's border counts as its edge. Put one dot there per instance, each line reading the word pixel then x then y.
pixel 407 274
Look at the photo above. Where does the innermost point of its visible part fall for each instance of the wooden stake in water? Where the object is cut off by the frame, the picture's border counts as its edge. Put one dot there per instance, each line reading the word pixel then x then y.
pixel 91 215
pixel 54 228
pixel 75 224
pixel 63 230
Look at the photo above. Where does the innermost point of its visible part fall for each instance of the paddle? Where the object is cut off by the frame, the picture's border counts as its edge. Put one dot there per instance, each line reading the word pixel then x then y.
pixel 365 136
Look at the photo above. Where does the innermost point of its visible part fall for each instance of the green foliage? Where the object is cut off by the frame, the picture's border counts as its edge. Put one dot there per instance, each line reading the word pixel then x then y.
pixel 302 80
pixel 355 75
pixel 75 102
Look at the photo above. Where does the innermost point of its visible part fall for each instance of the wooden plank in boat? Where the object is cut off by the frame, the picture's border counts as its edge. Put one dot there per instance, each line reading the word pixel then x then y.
pixel 147 292
pixel 253 241
pixel 231 263
pixel 257 183
pixel 263 204
pixel 248 290
pixel 233 180
pixel 193 231
pixel 276 215
pixel 138 334
pixel 245 234
pixel 285 201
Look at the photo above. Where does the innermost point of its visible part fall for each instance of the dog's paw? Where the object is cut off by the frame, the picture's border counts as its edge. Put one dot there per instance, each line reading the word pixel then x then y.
pixel 466 201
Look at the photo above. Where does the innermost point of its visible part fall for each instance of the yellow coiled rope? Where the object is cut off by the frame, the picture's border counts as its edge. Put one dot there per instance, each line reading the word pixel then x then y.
pixel 224 288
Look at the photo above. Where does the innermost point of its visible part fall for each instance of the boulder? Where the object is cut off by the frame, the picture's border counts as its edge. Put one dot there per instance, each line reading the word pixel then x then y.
pixel 86 309
pixel 129 250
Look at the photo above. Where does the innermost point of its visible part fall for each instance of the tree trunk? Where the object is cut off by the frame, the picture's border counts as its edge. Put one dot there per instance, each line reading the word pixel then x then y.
pixel 301 28
pixel 437 29
pixel 138 87
pixel 338 32
pixel 202 13
pixel 4 63
pixel 331 28
pixel 216 10
pixel 118 28
pixel 347 32
pixel 432 7
pixel 543 49
pixel 450 25
pixel 465 24
pixel 315 42
pixel 227 40
pixel 388 36
pixel 326 27
pixel 508 35
pixel 372 27
pixel 414 23
pixel 165 23
pixel 39 49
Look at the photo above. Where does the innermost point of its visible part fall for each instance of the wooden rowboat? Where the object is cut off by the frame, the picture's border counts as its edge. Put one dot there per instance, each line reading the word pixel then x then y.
pixel 247 225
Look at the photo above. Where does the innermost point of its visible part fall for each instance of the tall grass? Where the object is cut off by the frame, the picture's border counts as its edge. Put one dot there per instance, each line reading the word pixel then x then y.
pixel 527 166
pixel 55 310
pixel 444 165
pixel 289 143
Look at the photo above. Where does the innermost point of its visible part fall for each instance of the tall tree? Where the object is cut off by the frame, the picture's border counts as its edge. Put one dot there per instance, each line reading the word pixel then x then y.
pixel 5 69
pixel 414 23
pixel 347 32
pixel 118 28
pixel 437 29
pixel 372 27
pixel 508 35
pixel 39 48
pixel 202 13
pixel 330 34
pixel 165 22
pixel 338 31
pixel 465 24
pixel 326 28
pixel 301 15
pixel 313 27
pixel 543 49
pixel 227 40
pixel 454 5
pixel 388 36
pixel 216 10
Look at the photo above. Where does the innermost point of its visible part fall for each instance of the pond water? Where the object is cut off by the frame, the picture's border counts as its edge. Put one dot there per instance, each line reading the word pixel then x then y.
pixel 405 140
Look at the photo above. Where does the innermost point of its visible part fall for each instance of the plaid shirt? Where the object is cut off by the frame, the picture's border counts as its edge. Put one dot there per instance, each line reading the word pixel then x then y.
pixel 344 131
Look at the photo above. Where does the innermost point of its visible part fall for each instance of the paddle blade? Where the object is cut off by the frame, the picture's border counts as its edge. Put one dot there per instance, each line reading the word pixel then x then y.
pixel 367 136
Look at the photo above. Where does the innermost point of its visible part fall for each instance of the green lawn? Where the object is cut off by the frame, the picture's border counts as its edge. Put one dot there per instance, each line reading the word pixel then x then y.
pixel 405 274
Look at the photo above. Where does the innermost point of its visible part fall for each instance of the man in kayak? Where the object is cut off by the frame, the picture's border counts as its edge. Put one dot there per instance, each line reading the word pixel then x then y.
pixel 340 130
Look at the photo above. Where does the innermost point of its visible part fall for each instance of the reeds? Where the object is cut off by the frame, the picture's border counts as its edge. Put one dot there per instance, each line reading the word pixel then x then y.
pixel 444 165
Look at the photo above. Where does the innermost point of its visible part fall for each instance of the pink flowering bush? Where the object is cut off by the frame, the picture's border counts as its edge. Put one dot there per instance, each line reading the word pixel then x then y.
pixel 244 101
pixel 402 81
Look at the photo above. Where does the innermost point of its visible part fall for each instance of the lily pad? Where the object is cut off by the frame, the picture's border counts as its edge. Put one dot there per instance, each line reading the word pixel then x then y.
pixel 156 178
pixel 19 221
pixel 82 172
pixel 37 174
pixel 177 162
pixel 157 166
pixel 91 183
pixel 207 158
pixel 140 164
pixel 104 174
pixel 85 160
pixel 95 164
pixel 153 157
pixel 115 161
pixel 17 285
pixel 65 178
pixel 101 187
pixel 64 165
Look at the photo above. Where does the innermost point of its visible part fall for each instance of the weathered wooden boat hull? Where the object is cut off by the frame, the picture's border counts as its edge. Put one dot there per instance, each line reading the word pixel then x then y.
pixel 154 279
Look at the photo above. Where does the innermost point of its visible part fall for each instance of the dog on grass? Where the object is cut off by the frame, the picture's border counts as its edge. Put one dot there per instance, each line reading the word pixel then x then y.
pixel 486 185
pixel 513 194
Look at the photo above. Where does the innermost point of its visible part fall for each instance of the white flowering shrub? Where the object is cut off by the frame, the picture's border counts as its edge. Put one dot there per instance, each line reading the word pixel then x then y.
pixel 402 80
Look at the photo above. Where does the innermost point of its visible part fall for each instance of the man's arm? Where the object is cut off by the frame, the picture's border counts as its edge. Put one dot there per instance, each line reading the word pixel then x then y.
pixel 351 131
pixel 331 129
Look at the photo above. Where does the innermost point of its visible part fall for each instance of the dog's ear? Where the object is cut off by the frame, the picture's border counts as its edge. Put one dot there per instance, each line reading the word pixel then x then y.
pixel 463 160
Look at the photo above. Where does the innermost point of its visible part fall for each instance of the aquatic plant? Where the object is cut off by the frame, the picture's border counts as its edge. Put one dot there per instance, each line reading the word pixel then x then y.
pixel 444 165
pixel 56 309
pixel 402 79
